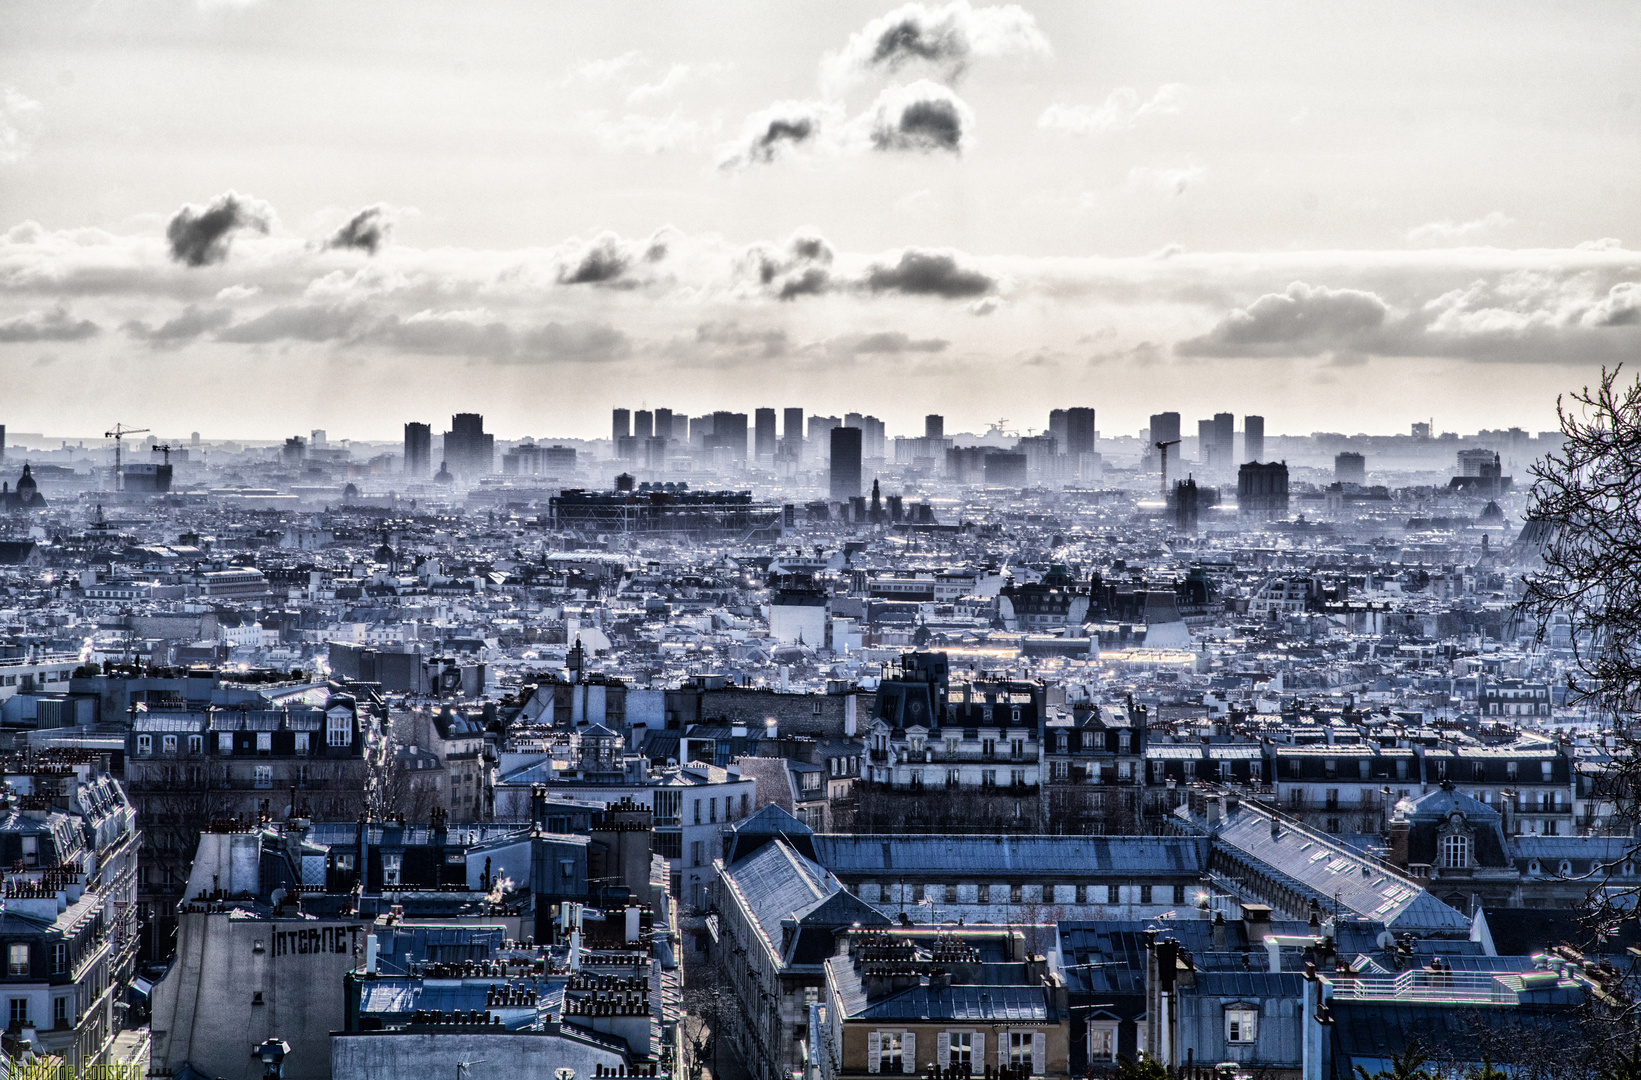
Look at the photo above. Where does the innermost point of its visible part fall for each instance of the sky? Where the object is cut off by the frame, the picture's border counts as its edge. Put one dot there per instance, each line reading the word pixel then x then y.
pixel 258 217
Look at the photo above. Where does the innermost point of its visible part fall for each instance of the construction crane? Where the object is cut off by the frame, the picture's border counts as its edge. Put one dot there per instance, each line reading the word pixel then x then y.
pixel 1163 446
pixel 117 434
pixel 162 448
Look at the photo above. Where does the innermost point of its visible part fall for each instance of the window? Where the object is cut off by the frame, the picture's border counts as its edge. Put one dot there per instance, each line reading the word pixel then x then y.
pixel 19 1011
pixel 196 744
pixel 1545 768
pixel 1179 894
pixel 917 894
pixel 339 729
pixel 1020 1047
pixel 1122 742
pixel 697 804
pixel 695 853
pixel 390 868
pixel 264 742
pixel 168 744
pixel 1455 851
pixel 712 810
pixel 225 742
pixel 1112 894
pixel 1102 1042
pixel 960 1049
pixel 59 958
pixel 31 850
pixel 1082 894
pixel 1241 1025
pixel 1145 894
pixel 1016 894
pixel 264 776
pixel 951 894
pixel 743 803
pixel 891 1051
pixel 301 742
pixel 988 778
pixel 17 958
pixel 59 1012
pixel 145 745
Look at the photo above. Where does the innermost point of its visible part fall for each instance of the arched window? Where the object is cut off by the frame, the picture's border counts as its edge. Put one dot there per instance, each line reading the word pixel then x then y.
pixel 1455 851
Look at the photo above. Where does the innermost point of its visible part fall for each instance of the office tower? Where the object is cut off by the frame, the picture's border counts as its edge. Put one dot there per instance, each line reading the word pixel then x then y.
pixel 1421 430
pixel 418 449
pixel 316 439
pixel 620 425
pixel 1350 468
pixel 763 434
pixel 871 437
pixel 3 442
pixel 699 428
pixel 934 426
pixel 1253 437
pixel 1165 428
pixel 663 423
pixel 845 475
pixel 655 453
pixel 819 426
pixel 1205 443
pixel 729 430
pixel 468 451
pixel 1079 432
pixel 643 424
pixel 1224 439
pixel 851 419
pixel 792 425
pixel 1057 428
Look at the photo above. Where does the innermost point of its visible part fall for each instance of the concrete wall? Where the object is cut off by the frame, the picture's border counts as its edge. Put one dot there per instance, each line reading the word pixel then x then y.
pixel 499 1055
pixel 206 1009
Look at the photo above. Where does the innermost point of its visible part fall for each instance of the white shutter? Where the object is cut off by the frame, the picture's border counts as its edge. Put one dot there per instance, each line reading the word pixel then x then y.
pixel 908 1053
pixel 1038 1053
pixel 874 1051
pixel 977 1052
pixel 942 1049
pixel 1002 1049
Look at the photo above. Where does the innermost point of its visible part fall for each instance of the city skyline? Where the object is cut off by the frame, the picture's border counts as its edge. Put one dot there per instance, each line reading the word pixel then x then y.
pixel 312 217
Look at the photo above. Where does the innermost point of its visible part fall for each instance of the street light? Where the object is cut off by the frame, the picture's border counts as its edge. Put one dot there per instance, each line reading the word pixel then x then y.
pixel 272 1052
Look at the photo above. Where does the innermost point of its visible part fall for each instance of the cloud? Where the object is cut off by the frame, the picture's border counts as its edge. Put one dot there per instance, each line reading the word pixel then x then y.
pixel 576 342
pixel 922 116
pixel 19 117
pixel 784 126
pixel 893 341
pixel 766 343
pixel 599 263
pixel 1620 307
pixel 1303 320
pixel 1122 111
pixel 199 236
pixel 297 322
pixel 948 39
pixel 929 273
pixel 673 79
pixel 365 231
pixel 180 330
pixel 54 325
pixel 1448 232
pixel 801 268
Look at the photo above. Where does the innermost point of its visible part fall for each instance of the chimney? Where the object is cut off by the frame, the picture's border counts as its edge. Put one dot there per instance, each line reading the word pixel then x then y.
pixel 1233 803
pixel 1212 810
pixel 1398 842
pixel 1219 931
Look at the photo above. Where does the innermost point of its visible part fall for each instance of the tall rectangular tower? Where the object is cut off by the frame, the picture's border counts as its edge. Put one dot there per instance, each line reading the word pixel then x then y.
pixel 418 448
pixel 1253 437
pixel 763 433
pixel 845 475
pixel 620 426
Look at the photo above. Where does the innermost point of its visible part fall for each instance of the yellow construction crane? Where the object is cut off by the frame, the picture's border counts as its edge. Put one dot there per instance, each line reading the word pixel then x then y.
pixel 117 434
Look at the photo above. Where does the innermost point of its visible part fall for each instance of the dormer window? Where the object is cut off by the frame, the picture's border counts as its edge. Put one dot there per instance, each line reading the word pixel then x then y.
pixel 1455 851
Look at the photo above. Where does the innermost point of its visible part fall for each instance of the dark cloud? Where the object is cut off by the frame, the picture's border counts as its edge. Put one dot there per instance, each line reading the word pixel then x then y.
pixel 365 231
pixel 56 325
pixel 929 273
pixel 927 124
pixel 800 268
pixel 199 236
pixel 1303 320
pixel 766 343
pixel 173 333
pixel 785 124
pixel 948 38
pixel 602 263
pixel 577 342
pixel 810 282
pixel 893 341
